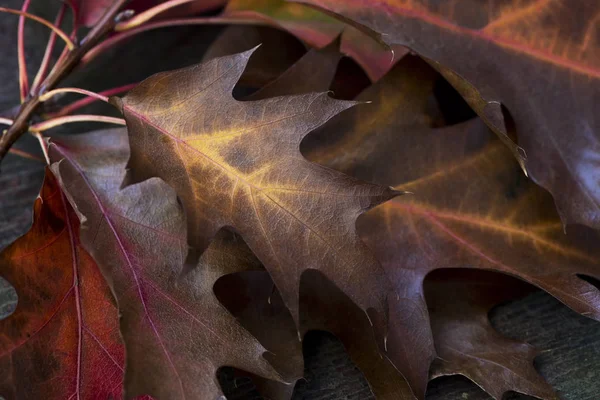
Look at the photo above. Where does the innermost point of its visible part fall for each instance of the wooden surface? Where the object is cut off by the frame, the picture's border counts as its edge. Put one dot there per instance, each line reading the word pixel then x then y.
pixel 569 343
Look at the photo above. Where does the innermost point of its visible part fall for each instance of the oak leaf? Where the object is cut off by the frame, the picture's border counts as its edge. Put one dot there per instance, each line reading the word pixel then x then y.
pixel 323 306
pixel 62 341
pixel 466 342
pixel 539 59
pixel 176 332
pixel 472 207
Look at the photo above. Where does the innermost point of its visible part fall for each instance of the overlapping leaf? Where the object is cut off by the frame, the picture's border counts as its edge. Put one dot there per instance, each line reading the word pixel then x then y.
pixel 255 301
pixel 466 343
pixel 538 58
pixel 62 341
pixel 176 332
pixel 471 208
pixel 268 61
pixel 317 29
pixel 238 164
pixel 316 70
pixel 252 297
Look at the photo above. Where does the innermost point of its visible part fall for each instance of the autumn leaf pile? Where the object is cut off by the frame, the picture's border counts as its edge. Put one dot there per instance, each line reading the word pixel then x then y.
pixel 217 229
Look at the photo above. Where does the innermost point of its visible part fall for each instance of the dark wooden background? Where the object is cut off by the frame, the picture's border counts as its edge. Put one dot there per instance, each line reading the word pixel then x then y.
pixel 569 343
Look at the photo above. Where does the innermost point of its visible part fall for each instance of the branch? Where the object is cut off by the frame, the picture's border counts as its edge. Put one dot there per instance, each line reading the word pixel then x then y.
pixel 21 124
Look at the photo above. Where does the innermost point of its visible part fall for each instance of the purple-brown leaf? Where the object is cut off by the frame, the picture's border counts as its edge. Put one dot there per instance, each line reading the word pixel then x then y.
pixel 176 332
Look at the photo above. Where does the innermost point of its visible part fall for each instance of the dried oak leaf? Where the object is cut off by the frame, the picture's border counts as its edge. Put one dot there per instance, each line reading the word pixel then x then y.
pixel 238 164
pixel 176 332
pixel 540 59
pixel 62 341
pixel 472 207
pixel 465 341
pixel 323 305
pixel 317 29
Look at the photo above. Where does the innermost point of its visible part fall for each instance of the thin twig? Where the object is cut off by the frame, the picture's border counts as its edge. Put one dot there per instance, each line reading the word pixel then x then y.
pixel 74 12
pixel 6 121
pixel 48 95
pixel 43 145
pixel 42 21
pixel 23 79
pixel 88 100
pixel 24 154
pixel 69 119
pixel 41 74
pixel 149 14
pixel 73 35
pixel 112 41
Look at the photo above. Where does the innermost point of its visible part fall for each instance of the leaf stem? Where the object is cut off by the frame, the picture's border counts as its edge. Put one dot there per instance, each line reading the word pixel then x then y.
pixel 149 14
pixel 62 69
pixel 46 96
pixel 88 100
pixel 73 36
pixel 43 145
pixel 6 121
pixel 24 154
pixel 23 79
pixel 69 119
pixel 41 74
pixel 42 21
pixel 116 39
pixel 75 14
